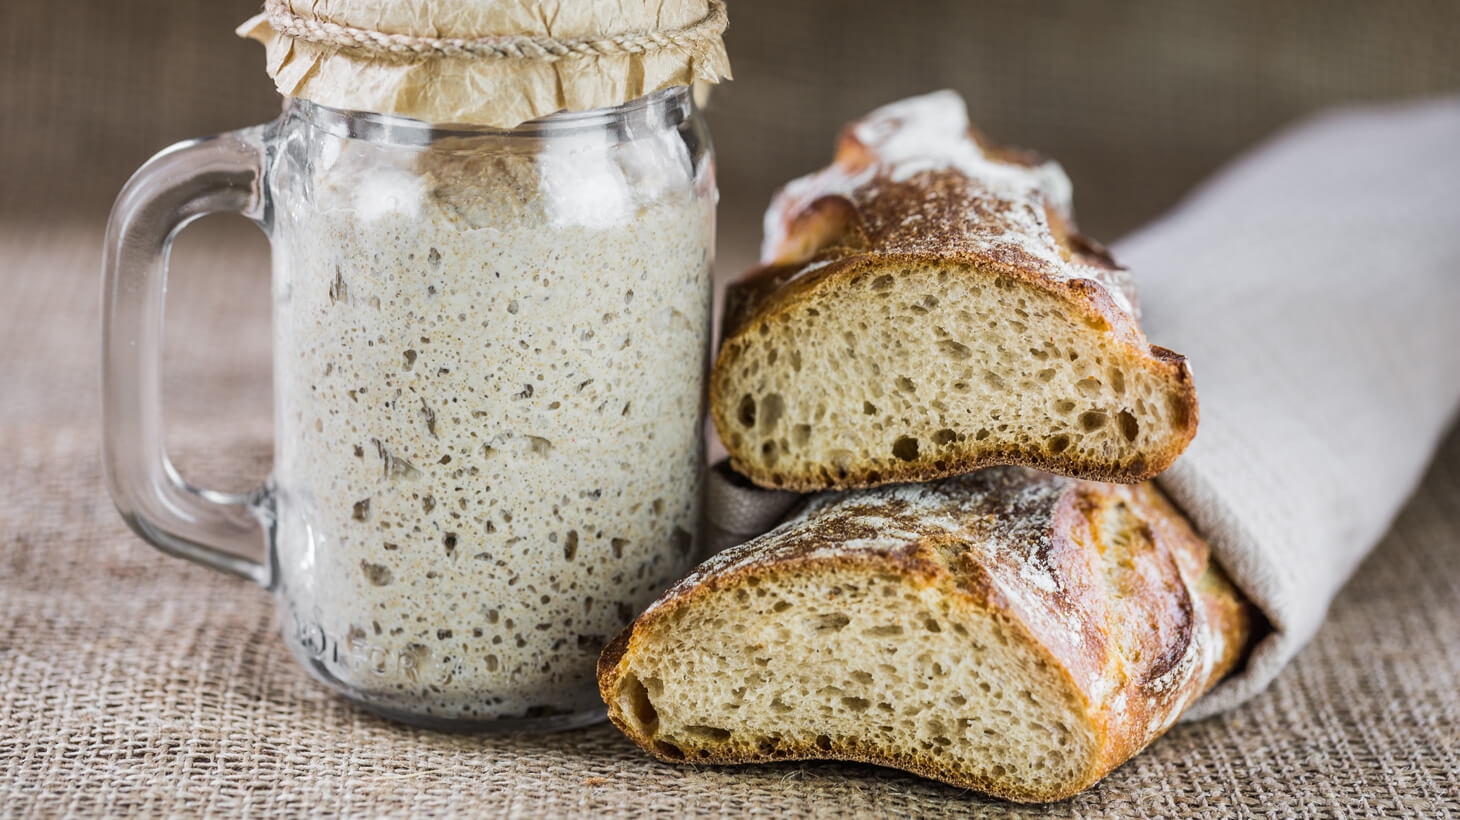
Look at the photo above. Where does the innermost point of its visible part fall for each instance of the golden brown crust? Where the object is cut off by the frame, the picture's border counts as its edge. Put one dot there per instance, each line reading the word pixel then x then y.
pixel 1155 623
pixel 865 206
pixel 866 215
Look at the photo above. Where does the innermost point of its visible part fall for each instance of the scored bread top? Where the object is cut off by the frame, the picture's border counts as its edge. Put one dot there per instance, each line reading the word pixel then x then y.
pixel 915 178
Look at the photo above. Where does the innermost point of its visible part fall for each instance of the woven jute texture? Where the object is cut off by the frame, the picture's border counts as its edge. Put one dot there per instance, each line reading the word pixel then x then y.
pixel 133 683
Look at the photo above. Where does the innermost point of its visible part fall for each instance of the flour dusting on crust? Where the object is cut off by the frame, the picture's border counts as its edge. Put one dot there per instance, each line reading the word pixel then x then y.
pixel 922 183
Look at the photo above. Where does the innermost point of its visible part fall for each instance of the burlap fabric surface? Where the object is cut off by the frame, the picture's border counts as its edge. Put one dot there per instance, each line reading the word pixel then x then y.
pixel 133 682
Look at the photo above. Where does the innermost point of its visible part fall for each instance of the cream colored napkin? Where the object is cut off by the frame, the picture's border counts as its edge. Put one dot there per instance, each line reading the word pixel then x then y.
pixel 1314 286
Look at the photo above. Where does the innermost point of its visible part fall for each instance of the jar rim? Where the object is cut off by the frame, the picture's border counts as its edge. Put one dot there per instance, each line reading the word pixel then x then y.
pixel 675 103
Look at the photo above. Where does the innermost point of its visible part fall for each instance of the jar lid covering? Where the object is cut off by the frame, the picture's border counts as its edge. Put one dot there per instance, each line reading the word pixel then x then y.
pixel 497 63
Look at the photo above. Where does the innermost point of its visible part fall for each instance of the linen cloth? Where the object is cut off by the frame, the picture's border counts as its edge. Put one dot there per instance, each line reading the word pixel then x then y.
pixel 1314 286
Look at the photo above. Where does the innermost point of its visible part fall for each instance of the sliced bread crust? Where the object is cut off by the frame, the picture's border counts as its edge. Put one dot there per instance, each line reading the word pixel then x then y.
pixel 1008 631
pixel 927 307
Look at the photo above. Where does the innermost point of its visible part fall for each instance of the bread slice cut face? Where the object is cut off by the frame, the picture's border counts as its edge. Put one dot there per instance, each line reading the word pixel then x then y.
pixel 1008 631
pixel 926 307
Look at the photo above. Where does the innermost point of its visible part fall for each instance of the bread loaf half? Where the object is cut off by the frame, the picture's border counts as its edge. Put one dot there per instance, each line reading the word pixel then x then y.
pixel 1008 631
pixel 926 307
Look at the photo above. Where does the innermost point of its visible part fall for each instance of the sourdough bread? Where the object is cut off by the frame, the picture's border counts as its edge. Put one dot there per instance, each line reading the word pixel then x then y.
pixel 1008 631
pixel 926 307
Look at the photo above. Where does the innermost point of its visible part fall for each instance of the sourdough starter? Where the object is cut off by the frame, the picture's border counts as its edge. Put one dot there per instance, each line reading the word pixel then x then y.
pixel 490 374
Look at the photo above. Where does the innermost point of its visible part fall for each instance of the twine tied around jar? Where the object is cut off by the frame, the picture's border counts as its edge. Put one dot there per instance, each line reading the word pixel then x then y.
pixel 467 62
pixel 695 36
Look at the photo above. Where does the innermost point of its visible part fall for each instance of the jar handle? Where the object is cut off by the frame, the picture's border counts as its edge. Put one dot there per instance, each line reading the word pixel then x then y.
pixel 221 174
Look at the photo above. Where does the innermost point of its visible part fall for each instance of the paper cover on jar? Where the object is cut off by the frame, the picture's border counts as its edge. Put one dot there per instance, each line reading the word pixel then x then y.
pixel 497 63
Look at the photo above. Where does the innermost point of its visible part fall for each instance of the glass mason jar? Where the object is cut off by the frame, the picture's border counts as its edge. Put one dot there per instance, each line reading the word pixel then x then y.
pixel 490 349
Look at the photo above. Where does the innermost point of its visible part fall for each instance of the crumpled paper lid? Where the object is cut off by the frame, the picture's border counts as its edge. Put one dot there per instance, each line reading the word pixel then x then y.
pixel 497 63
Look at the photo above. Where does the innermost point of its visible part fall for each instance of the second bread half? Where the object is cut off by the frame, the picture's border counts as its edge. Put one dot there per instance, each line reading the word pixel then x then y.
pixel 927 307
pixel 1008 631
